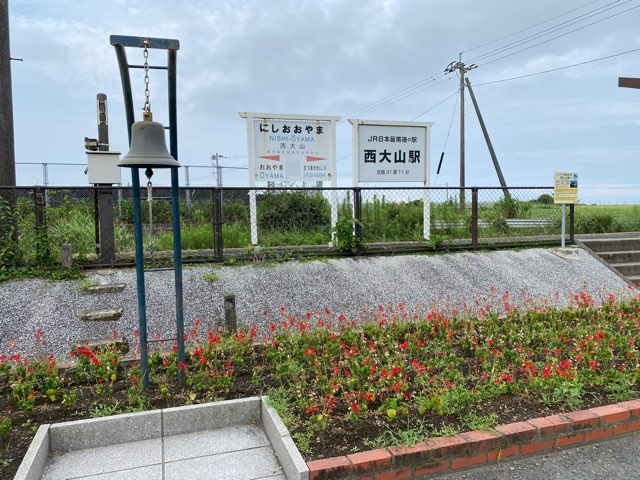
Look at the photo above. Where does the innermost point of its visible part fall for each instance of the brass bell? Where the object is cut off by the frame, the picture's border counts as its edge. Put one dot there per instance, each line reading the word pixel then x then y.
pixel 148 147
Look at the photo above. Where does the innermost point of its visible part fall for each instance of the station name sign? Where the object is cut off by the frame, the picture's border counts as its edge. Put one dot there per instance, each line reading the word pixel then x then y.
pixel 390 151
pixel 290 148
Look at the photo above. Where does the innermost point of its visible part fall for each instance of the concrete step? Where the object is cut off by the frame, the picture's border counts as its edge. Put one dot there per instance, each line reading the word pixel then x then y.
pixel 105 315
pixel 624 256
pixel 627 269
pixel 635 279
pixel 119 343
pixel 104 288
pixel 613 244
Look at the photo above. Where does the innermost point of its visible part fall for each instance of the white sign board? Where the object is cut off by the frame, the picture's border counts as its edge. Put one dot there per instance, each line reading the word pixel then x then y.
pixel 390 151
pixel 565 187
pixel 291 148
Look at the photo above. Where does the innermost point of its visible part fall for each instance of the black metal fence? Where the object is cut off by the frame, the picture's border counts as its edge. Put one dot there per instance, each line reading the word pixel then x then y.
pixel 217 222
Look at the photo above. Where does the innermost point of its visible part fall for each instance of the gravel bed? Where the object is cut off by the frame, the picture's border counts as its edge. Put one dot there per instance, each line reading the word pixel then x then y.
pixel 342 285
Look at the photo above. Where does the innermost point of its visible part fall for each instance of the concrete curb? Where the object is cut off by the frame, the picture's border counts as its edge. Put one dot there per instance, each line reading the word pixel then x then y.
pixel 437 455
pixel 34 460
pixel 290 458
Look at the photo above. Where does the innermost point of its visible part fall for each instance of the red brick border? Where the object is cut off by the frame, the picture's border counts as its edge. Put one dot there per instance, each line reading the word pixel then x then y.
pixel 435 455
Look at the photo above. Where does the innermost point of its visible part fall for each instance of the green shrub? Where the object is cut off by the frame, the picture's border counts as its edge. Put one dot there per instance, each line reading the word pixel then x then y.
pixel 293 210
pixel 545 199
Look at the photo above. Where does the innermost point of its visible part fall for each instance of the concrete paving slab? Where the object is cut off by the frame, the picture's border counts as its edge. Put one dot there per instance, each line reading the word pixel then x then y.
pixel 152 472
pixel 242 465
pixel 213 442
pixel 103 460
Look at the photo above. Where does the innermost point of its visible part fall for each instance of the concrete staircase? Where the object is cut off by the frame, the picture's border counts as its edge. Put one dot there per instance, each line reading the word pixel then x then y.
pixel 622 254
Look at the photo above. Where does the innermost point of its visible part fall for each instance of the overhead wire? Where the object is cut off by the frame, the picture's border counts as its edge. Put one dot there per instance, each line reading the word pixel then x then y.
pixel 391 102
pixel 436 105
pixel 396 97
pixel 558 68
pixel 446 140
pixel 558 36
pixel 529 28
pixel 555 28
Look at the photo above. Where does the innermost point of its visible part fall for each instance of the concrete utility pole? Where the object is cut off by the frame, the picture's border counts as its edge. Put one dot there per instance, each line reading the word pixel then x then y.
pixel 462 68
pixel 7 153
pixel 216 157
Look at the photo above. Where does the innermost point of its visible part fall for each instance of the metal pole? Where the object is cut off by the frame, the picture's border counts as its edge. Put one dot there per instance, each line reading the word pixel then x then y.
pixel 564 226
pixel 142 305
pixel 96 220
pixel 462 152
pixel 175 194
pixel 177 265
pixel 121 55
pixel 474 217
pixel 572 221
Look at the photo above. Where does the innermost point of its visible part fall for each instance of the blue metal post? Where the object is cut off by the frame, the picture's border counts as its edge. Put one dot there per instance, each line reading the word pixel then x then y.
pixel 177 265
pixel 142 303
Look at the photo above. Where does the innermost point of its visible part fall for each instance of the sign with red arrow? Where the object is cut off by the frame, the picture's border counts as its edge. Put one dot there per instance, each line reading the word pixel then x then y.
pixel 291 148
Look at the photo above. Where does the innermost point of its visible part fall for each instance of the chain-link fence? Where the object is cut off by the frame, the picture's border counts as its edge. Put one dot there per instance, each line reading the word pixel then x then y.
pixel 214 222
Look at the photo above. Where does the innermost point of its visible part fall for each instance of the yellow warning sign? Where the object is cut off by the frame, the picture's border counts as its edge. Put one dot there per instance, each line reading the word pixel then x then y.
pixel 565 187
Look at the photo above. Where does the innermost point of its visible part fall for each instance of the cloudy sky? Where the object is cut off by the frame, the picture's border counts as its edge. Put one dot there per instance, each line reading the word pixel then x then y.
pixel 371 59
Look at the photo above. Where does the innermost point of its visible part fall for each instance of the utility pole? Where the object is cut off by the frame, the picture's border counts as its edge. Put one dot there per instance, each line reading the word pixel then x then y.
pixel 462 68
pixel 215 157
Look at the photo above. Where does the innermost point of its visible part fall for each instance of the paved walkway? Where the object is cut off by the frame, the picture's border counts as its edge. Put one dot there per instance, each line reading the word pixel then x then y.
pixel 239 452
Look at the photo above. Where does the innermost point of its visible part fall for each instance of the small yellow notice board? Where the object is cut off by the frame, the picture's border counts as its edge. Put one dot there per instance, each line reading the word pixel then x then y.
pixel 565 187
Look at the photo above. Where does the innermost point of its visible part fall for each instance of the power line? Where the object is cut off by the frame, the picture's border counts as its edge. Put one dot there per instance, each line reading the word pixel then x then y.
pixel 559 36
pixel 558 68
pixel 529 28
pixel 555 28
pixel 396 97
pixel 391 102
pixel 436 105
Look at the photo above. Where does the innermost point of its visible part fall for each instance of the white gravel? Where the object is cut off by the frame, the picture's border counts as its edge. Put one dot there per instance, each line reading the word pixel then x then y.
pixel 342 285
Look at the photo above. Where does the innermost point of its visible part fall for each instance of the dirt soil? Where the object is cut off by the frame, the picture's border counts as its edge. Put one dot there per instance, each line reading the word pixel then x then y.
pixel 343 436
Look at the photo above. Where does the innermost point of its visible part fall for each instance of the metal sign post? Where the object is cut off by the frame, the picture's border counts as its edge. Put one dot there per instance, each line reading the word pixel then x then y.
pixel 565 190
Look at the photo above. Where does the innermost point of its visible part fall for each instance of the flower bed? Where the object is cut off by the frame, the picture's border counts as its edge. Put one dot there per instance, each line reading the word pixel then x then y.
pixel 391 376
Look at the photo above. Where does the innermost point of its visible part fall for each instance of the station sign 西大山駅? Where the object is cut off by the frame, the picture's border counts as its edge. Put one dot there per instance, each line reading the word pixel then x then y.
pixel 291 148
pixel 386 151
pixel 565 187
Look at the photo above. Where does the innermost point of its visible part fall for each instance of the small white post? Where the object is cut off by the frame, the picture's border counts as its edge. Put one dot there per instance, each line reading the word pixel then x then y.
pixel 426 200
pixel 564 222
pixel 253 215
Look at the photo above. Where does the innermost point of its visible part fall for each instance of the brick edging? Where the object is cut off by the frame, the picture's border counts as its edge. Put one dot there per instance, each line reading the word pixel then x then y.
pixel 473 448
